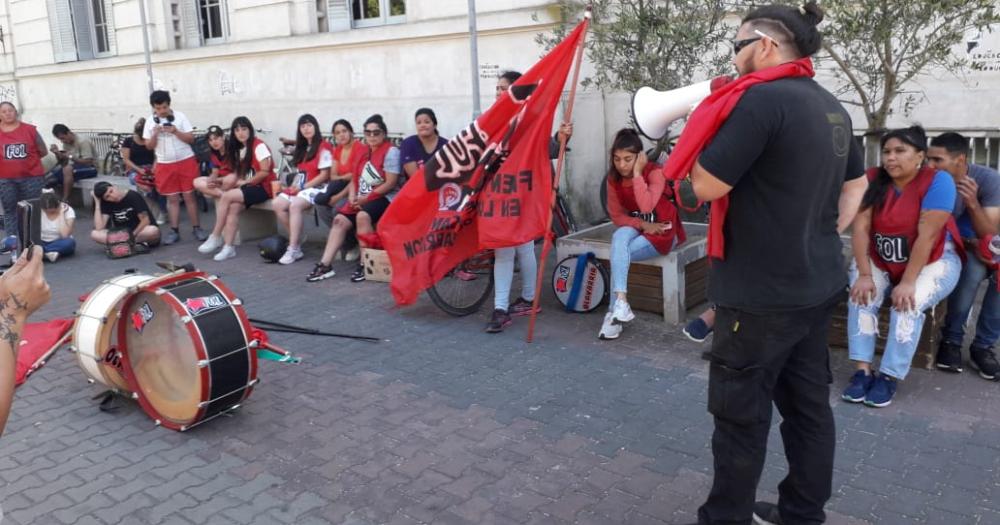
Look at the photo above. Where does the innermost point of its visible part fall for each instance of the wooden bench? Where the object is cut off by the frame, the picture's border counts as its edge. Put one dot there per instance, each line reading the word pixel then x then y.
pixel 930 334
pixel 669 284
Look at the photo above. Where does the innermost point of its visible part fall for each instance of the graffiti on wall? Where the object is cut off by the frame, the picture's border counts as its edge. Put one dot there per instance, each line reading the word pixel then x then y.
pixel 228 85
pixel 8 94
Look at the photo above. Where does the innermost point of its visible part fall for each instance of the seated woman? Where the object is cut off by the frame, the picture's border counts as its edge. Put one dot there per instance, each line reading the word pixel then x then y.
pixel 56 226
pixel 139 162
pixel 251 162
pixel 415 150
pixel 374 182
pixel 118 209
pixel 346 152
pixel 221 179
pixel 648 223
pixel 313 157
pixel 904 247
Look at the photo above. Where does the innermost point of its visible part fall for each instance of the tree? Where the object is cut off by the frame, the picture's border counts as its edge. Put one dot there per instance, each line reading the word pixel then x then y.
pixel 881 46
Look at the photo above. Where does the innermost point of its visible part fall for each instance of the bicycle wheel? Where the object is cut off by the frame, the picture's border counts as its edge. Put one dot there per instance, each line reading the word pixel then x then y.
pixel 466 287
pixel 108 162
pixel 117 167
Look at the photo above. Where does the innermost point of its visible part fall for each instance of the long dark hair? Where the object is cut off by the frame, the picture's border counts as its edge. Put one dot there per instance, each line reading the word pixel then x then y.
pixel 914 136
pixel 233 146
pixel 626 139
pixel 306 150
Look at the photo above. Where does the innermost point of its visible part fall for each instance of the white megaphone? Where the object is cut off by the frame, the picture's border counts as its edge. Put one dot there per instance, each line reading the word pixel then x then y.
pixel 654 111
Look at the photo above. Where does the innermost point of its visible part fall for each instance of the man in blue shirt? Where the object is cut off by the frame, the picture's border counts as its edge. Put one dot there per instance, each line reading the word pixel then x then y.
pixel 977 211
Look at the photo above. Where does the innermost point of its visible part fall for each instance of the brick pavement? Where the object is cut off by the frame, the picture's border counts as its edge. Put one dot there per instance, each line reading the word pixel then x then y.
pixel 443 423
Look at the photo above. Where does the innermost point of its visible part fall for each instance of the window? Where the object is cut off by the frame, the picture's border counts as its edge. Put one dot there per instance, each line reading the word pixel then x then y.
pixel 367 13
pixel 210 16
pixel 81 29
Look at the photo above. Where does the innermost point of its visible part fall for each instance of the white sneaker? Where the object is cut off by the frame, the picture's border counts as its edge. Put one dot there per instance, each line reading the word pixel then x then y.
pixel 227 252
pixel 291 255
pixel 52 256
pixel 623 312
pixel 353 254
pixel 610 329
pixel 211 244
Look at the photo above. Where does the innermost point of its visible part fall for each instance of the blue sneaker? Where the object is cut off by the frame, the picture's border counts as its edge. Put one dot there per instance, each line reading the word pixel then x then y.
pixel 858 388
pixel 881 392
pixel 697 330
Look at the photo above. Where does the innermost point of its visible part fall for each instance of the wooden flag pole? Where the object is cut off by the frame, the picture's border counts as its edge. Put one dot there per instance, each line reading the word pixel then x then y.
pixel 567 119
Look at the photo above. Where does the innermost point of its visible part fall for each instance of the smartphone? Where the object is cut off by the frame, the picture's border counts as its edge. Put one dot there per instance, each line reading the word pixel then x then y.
pixel 29 230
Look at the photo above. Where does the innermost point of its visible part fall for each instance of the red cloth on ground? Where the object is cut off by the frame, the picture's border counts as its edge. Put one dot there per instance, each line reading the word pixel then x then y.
pixel 705 122
pixel 36 342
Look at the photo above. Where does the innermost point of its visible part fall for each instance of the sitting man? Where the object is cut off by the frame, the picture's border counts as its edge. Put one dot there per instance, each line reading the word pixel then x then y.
pixel 977 212
pixel 119 209
pixel 74 160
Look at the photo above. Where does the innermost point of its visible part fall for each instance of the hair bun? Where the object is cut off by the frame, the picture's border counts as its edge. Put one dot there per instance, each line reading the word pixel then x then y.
pixel 812 12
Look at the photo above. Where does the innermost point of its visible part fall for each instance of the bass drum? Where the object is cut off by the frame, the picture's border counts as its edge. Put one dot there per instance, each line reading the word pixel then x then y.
pixel 188 354
pixel 580 282
pixel 95 336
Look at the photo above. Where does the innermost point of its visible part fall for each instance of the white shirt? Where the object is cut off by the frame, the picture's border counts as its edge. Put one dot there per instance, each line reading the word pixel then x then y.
pixel 50 228
pixel 169 148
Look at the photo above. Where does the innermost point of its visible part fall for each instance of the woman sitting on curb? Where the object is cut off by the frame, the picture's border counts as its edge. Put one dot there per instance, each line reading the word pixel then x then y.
pixel 904 246
pixel 56 227
pixel 648 223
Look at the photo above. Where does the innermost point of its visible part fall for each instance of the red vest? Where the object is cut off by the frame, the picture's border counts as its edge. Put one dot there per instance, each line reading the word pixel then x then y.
pixel 255 166
pixel 357 149
pixel 894 226
pixel 20 156
pixel 311 167
pixel 663 212
pixel 376 157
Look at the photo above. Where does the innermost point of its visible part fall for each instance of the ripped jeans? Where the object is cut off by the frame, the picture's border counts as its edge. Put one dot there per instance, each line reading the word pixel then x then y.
pixel 934 283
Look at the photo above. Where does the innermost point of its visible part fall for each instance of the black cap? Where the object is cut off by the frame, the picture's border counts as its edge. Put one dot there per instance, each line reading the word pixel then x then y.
pixel 101 188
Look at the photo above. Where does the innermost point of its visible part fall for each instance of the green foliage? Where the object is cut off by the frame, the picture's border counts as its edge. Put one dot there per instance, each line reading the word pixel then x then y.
pixel 660 43
pixel 880 46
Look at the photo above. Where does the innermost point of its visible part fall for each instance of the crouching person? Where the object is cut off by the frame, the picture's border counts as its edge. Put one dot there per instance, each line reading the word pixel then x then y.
pixel 56 230
pixel 120 210
pixel 906 246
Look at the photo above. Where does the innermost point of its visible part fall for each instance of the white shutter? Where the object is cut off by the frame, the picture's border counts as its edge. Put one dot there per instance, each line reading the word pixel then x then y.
pixel 338 15
pixel 190 23
pixel 83 28
pixel 109 12
pixel 61 25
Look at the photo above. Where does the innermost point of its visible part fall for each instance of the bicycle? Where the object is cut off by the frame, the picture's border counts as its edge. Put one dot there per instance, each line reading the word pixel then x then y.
pixel 113 163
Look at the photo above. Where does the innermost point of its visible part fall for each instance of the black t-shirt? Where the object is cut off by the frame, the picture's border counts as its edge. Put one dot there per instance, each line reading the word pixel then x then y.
pixel 787 148
pixel 139 154
pixel 125 213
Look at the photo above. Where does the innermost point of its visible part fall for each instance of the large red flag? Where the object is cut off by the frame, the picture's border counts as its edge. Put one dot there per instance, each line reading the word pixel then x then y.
pixel 489 187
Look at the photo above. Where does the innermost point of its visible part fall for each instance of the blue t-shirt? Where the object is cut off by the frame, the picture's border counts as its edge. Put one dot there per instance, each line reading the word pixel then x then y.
pixel 988 194
pixel 941 193
pixel 412 150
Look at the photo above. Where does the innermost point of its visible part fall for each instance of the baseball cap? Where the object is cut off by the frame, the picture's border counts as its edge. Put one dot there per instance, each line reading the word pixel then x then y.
pixel 101 188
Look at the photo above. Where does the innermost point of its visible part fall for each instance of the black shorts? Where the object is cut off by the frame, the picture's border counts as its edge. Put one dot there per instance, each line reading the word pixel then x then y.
pixel 374 209
pixel 254 194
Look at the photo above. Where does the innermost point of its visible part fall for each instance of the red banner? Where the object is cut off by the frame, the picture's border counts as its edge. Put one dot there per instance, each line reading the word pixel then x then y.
pixel 489 187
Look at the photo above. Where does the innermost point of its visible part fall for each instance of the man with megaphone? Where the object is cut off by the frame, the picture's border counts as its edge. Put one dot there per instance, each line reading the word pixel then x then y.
pixel 772 150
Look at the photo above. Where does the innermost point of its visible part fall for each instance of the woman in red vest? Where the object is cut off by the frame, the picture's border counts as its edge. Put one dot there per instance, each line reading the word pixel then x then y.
pixel 372 187
pixel 648 223
pixel 250 160
pixel 904 247
pixel 21 169
pixel 313 158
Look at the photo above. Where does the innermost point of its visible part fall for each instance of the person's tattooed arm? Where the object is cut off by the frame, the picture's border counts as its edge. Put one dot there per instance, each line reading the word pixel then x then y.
pixel 12 312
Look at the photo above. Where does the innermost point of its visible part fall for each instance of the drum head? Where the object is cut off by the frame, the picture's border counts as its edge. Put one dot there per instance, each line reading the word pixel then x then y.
pixel 163 358
pixel 593 284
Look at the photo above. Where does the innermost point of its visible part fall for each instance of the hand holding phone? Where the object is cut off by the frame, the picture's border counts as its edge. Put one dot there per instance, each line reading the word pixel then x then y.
pixel 29 227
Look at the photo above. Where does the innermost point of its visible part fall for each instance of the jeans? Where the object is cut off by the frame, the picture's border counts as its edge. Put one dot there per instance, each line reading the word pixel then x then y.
pixel 960 305
pixel 14 190
pixel 935 282
pixel 80 172
pixel 503 273
pixel 758 359
pixel 64 246
pixel 627 245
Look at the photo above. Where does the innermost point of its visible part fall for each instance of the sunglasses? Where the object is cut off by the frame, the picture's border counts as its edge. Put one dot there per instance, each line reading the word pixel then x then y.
pixel 373 132
pixel 738 45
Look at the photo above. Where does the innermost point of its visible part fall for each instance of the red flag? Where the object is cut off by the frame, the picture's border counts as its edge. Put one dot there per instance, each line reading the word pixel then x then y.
pixel 489 187
pixel 38 341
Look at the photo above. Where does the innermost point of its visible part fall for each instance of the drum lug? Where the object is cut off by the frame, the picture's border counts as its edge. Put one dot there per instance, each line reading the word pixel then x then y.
pixel 212 278
pixel 158 422
pixel 203 404
pixel 72 349
pixel 253 344
pixel 186 319
pixel 90 380
pixel 202 363
pixel 237 302
pixel 254 382
pixel 135 395
pixel 160 291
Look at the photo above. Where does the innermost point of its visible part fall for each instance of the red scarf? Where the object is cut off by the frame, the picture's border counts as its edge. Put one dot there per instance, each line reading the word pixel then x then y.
pixel 705 122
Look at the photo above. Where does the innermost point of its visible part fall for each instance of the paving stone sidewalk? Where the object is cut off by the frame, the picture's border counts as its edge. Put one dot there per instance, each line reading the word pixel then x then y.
pixel 443 423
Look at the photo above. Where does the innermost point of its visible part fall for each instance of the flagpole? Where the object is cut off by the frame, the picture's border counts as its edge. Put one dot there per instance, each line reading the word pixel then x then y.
pixel 567 118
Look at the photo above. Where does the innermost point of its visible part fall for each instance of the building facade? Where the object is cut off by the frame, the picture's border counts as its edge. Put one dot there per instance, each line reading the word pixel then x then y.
pixel 81 62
